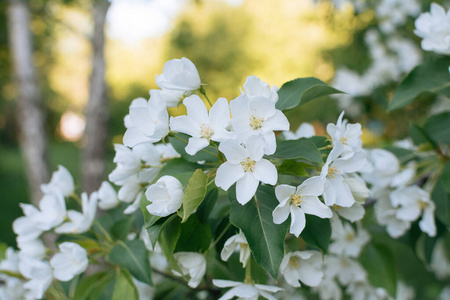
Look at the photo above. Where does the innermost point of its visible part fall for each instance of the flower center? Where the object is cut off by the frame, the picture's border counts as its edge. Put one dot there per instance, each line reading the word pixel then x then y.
pixel 294 261
pixel 296 199
pixel 255 122
pixel 243 246
pixel 422 205
pixel 248 165
pixel 344 140
pixel 206 131
pixel 332 172
pixel 349 237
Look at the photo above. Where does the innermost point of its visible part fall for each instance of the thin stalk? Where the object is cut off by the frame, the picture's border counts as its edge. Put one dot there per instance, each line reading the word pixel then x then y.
pixel 218 238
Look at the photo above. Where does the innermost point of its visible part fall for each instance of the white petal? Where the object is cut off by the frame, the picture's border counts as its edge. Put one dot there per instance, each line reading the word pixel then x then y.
pixel 298 221
pixel 266 172
pixel 283 192
pixel 196 109
pixel 246 188
pixel 233 151
pixel 134 136
pixel 185 124
pixel 195 145
pixel 219 114
pixel 312 186
pixel 227 174
pixel 313 206
pixel 281 213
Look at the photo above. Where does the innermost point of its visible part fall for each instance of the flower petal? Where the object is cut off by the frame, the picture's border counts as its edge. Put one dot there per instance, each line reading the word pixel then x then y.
pixel 227 174
pixel 246 188
pixel 266 172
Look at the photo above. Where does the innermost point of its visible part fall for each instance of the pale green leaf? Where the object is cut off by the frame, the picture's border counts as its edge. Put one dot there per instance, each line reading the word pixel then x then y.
pixel 194 194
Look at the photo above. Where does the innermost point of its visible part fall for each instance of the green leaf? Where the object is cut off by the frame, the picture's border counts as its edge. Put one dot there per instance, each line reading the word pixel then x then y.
pixel 429 77
pixel 292 167
pixel 179 141
pixel 418 135
pixel 133 256
pixel 149 219
pixel 121 228
pixel 298 149
pixel 441 197
pixel 437 128
pixel 124 287
pixel 169 235
pixel 265 238
pixel 90 288
pixel 380 265
pixel 302 90
pixel 194 194
pixel 208 204
pixel 3 248
pixel 180 169
pixel 317 232
pixel 194 236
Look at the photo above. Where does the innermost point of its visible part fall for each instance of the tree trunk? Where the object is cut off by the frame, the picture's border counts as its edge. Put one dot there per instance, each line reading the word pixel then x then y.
pixel 30 114
pixel 97 111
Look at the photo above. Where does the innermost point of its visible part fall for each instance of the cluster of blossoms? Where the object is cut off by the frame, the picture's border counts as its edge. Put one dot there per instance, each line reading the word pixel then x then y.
pixel 233 145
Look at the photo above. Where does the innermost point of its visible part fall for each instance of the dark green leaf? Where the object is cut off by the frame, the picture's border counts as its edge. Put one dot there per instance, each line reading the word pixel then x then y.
pixel 194 194
pixel 298 149
pixel 124 287
pixel 429 77
pixel 320 141
pixel 207 205
pixel 437 128
pixel 194 236
pixel 90 288
pixel 180 141
pixel 292 167
pixel 418 135
pixel 169 235
pixel 317 232
pixel 379 263
pixel 265 238
pixel 121 228
pixel 441 198
pixel 180 169
pixel 445 177
pixel 133 256
pixel 302 90
pixel 149 219
pixel 3 248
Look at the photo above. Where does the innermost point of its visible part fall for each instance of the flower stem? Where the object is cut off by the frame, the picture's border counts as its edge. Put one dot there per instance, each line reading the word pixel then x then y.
pixel 248 272
pixel 218 238
pixel 203 92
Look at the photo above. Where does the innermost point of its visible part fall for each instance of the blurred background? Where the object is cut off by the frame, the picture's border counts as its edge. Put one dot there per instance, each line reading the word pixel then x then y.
pixel 70 68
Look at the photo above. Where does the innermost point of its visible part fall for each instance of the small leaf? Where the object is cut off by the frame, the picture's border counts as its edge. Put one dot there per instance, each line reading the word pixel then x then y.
pixel 169 235
pixel 205 208
pixel 149 219
pixel 180 141
pixel 133 256
pixel 437 127
pixel 302 90
pixel 265 238
pixel 3 248
pixel 379 263
pixel 429 77
pixel 292 167
pixel 124 287
pixel 90 288
pixel 445 178
pixel 317 232
pixel 298 149
pixel 194 236
pixel 194 194
pixel 441 197
pixel 121 228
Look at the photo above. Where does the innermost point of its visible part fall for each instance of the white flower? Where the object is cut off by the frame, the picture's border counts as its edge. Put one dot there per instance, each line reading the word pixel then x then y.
pixel 357 187
pixel 11 261
pixel 386 215
pixel 246 291
pixel 336 191
pixel 304 266
pixel 166 196
pixel 345 269
pixel 434 28
pixel 411 201
pixel 300 201
pixel 11 288
pixel 52 210
pixel 440 262
pixel 81 222
pixel 107 196
pixel 149 121
pixel 362 290
pixel 353 213
pixel 255 87
pixel 328 289
pixel 237 240
pixel 347 242
pixel 201 126
pixel 192 265
pixel 404 292
pixel 305 130
pixel 145 292
pixel 258 117
pixel 62 181
pixel 179 78
pixel 71 261
pixel 394 13
pixel 39 275
pixel 348 135
pixel 246 167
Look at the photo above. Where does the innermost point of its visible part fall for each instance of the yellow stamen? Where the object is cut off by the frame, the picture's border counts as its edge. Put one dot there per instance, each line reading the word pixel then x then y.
pixel 255 122
pixel 332 171
pixel 296 199
pixel 294 261
pixel 422 205
pixel 344 140
pixel 206 131
pixel 248 165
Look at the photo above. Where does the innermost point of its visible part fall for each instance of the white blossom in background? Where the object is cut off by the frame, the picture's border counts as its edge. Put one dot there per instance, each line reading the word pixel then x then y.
pixel 192 265
pixel 148 121
pixel 404 292
pixel 255 87
pixel 345 269
pixel 80 222
pixel 394 13
pixel 33 248
pixel 12 288
pixel 299 201
pixel 70 261
pixel 245 166
pixel 347 242
pixel 358 188
pixel 246 291
pixel 234 242
pixel 51 212
pixel 61 181
pixel 257 117
pixel 353 213
pixel 445 293
pixel 166 196
pixel 347 135
pixel 412 202
pixel 434 28
pixel 39 274
pixel 201 125
pixel 145 292
pixel 328 289
pixel 179 78
pixel 107 196
pixel 386 215
pixel 305 130
pixel 362 290
pixel 440 262
pixel 304 266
